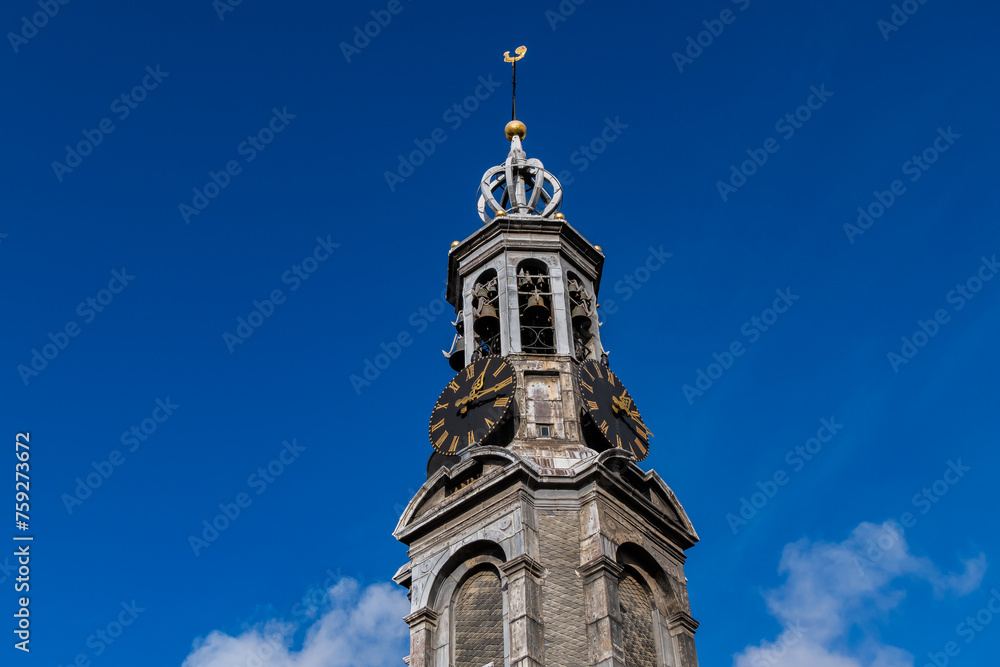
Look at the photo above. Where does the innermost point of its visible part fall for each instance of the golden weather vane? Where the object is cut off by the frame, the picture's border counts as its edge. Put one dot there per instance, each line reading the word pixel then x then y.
pixel 520 51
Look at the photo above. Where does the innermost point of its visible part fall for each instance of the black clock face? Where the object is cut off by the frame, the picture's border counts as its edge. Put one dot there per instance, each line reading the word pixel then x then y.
pixel 469 409
pixel 612 410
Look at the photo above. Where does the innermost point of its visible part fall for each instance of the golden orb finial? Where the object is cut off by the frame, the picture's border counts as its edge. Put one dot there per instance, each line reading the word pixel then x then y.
pixel 559 216
pixel 598 248
pixel 455 243
pixel 501 213
pixel 515 127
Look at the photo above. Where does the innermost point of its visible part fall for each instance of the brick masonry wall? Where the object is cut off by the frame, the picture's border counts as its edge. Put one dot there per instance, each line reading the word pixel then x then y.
pixel 562 590
pixel 479 621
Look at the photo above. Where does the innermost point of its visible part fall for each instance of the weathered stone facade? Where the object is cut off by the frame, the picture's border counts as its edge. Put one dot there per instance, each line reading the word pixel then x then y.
pixel 562 545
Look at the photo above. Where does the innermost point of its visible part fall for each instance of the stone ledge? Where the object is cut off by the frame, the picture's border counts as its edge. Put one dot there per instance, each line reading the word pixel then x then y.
pixel 682 621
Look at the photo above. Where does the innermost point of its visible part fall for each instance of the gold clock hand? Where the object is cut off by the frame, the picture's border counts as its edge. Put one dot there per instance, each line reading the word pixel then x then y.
pixel 472 398
pixel 635 415
pixel 474 393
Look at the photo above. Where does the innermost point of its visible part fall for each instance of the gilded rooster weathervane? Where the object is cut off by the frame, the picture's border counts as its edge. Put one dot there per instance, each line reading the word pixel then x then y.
pixel 520 51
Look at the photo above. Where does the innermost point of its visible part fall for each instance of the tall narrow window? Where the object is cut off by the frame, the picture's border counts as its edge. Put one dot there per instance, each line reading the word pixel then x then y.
pixel 637 622
pixel 486 313
pixel 479 621
pixel 534 302
pixel 581 302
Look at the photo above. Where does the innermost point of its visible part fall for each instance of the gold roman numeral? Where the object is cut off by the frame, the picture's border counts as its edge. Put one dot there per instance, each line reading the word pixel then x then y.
pixel 501 402
pixel 440 441
pixel 497 371
pixel 489 424
pixel 590 404
pixel 590 374
pixel 611 378
pixel 438 425
pixel 642 447
pixel 619 439
pixel 504 383
pixel 470 371
pixel 587 386
pixel 440 406
pixel 454 444
pixel 598 369
pixel 604 427
pixel 472 438
pixel 453 385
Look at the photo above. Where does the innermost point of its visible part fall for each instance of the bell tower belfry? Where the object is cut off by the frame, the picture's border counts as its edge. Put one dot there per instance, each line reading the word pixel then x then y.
pixel 537 540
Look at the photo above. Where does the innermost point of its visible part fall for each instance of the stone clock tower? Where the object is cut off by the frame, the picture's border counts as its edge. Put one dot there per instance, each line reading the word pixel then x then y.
pixel 537 540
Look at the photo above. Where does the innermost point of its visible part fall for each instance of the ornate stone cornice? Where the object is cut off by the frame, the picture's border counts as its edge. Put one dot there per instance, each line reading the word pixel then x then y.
pixel 600 566
pixel 522 563
pixel 682 621
pixel 425 616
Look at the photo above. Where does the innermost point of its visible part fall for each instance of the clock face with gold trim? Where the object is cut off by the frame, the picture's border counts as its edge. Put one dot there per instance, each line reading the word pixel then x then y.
pixel 472 405
pixel 612 410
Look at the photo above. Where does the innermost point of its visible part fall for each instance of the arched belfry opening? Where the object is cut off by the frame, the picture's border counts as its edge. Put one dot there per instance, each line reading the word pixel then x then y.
pixel 534 305
pixel 583 307
pixel 486 313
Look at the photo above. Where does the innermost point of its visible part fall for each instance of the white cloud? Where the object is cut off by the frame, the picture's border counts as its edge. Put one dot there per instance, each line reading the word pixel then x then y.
pixel 831 587
pixel 355 628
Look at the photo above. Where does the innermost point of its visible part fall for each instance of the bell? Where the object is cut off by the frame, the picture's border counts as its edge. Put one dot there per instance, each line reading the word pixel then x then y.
pixel 487 323
pixel 535 309
pixel 581 318
pixel 457 358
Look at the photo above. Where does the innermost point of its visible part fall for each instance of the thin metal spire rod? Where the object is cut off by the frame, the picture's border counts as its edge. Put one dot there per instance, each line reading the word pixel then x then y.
pixel 513 90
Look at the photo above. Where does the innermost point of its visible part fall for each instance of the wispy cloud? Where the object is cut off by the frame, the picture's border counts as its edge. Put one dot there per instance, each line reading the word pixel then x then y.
pixel 358 627
pixel 831 587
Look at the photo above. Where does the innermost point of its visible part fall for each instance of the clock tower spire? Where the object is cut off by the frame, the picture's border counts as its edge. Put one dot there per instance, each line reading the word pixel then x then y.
pixel 537 540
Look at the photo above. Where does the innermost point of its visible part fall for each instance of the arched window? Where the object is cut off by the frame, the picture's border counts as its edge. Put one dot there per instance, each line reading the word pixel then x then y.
pixel 486 313
pixel 479 621
pixel 581 303
pixel 637 621
pixel 534 305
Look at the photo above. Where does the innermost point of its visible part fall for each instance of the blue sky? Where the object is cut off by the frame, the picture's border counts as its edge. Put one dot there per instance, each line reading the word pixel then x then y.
pixel 247 163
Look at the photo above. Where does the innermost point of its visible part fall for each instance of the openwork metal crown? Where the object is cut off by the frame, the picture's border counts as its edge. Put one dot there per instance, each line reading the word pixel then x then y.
pixel 523 186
